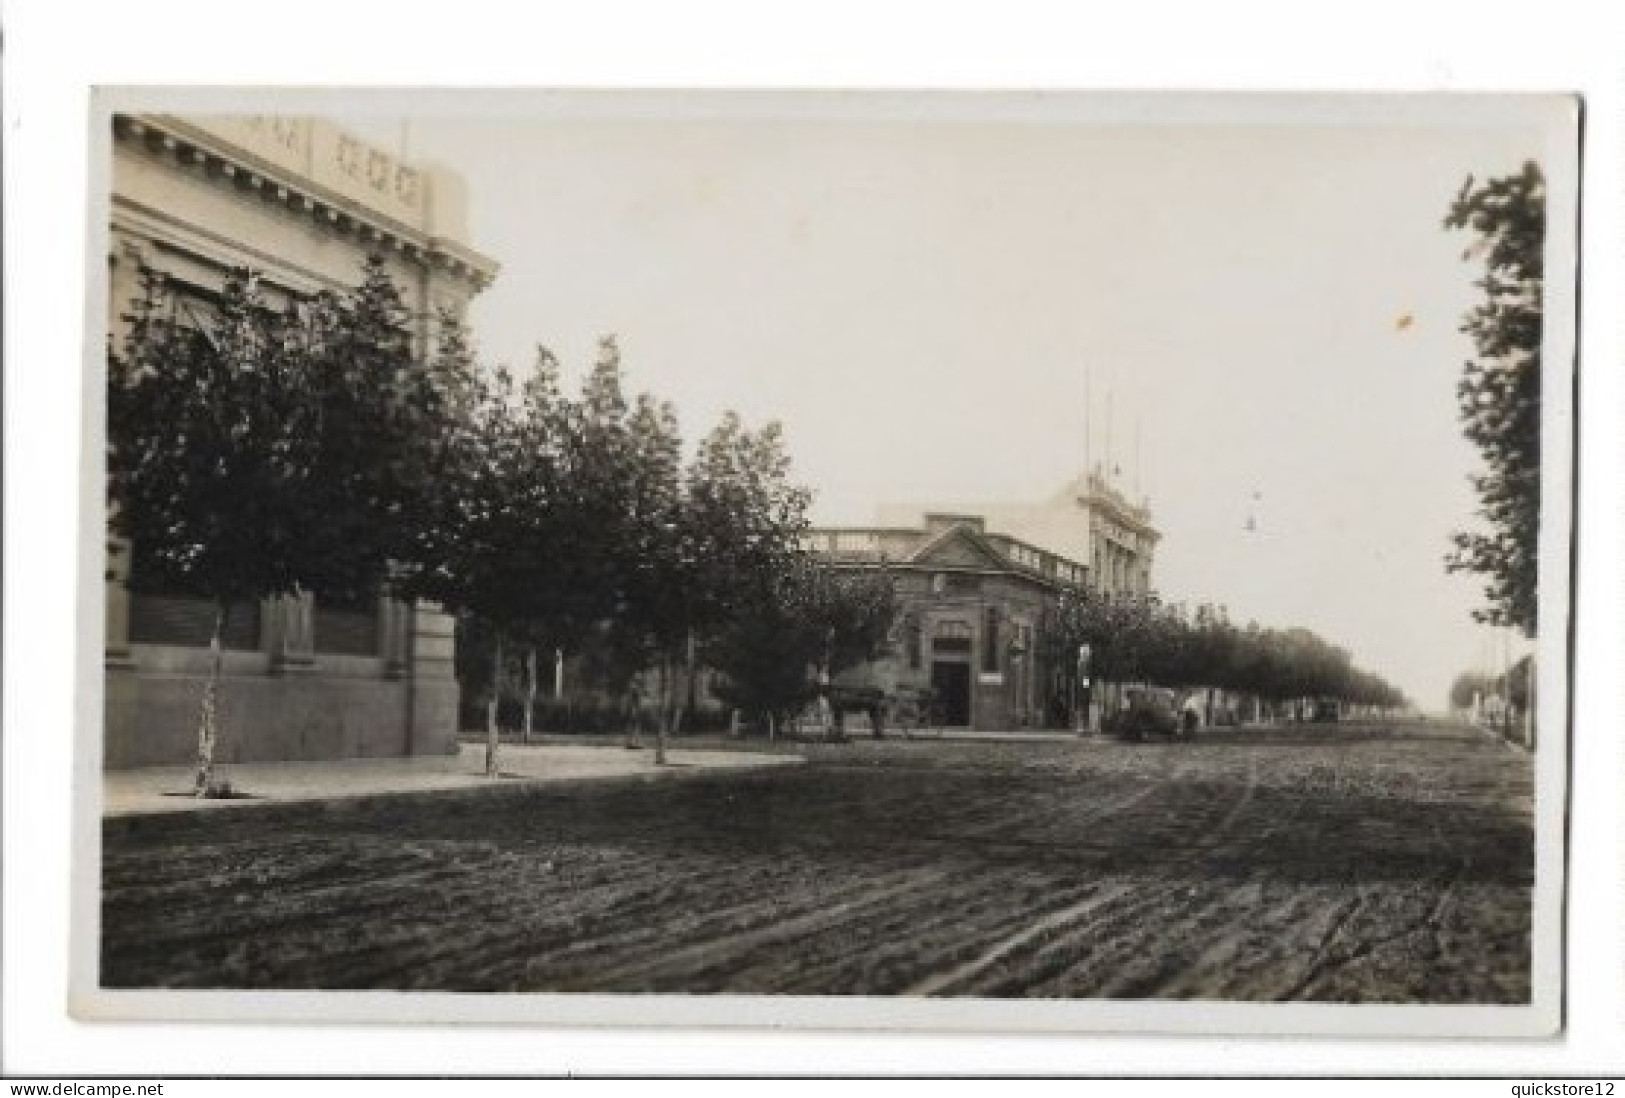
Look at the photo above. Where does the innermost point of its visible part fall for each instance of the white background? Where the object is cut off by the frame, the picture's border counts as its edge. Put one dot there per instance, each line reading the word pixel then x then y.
pixel 54 52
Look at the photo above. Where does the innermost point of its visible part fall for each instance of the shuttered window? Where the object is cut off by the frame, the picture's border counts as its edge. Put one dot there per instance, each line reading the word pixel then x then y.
pixel 189 621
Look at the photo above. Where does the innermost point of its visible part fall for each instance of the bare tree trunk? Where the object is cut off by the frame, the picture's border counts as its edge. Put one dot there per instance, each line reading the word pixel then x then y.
pixel 208 729
pixel 691 685
pixel 1529 704
pixel 493 736
pixel 530 697
pixel 633 717
pixel 664 705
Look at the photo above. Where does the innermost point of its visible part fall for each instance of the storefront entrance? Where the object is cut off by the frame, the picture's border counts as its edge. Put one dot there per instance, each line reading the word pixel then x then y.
pixel 950 681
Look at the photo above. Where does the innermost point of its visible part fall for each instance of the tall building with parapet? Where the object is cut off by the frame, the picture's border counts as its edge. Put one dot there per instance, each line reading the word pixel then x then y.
pixel 302 202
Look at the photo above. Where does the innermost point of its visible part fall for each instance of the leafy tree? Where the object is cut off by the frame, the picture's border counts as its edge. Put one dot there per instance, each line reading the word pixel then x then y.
pixel 255 451
pixel 851 613
pixel 710 542
pixel 814 616
pixel 766 653
pixel 594 476
pixel 650 559
pixel 591 490
pixel 1499 392
pixel 493 523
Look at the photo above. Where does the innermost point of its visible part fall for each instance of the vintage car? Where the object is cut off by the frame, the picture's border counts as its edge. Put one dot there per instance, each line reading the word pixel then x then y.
pixel 1147 711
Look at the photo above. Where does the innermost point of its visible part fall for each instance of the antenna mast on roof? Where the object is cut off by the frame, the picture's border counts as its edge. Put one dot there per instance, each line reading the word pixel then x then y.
pixel 1088 414
pixel 1136 454
pixel 1110 468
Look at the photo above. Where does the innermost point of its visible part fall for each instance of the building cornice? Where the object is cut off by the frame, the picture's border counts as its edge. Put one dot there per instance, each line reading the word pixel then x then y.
pixel 231 166
pixel 926 540
pixel 1015 571
pixel 1121 512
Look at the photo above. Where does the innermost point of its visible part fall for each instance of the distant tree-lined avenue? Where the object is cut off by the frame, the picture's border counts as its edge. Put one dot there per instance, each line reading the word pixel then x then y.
pixel 1139 638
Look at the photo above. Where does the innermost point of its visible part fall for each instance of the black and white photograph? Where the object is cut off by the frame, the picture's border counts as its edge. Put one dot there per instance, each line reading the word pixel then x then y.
pixel 1036 562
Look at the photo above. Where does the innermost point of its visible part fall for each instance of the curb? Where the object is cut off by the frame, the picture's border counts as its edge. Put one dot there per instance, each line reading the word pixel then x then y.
pixel 141 824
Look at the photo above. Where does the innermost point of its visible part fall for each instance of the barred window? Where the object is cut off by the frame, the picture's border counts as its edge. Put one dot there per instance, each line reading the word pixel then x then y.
pixel 188 621
pixel 346 629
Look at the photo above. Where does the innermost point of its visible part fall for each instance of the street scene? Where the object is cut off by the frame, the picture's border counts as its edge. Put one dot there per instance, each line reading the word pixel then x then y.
pixel 904 546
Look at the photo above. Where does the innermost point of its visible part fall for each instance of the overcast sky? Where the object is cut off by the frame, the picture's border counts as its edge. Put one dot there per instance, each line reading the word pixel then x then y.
pixel 1273 309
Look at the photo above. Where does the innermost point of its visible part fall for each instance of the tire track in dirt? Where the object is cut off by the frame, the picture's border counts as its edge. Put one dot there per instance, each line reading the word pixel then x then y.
pixel 648 942
pixel 1181 911
pixel 1105 954
pixel 699 955
pixel 1323 964
pixel 887 956
pixel 939 983
pixel 312 923
pixel 508 933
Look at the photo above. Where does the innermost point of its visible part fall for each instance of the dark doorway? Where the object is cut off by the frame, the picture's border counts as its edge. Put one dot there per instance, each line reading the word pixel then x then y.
pixel 951 684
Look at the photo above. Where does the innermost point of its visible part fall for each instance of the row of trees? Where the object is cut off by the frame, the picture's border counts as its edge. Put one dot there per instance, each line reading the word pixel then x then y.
pixel 1511 686
pixel 258 449
pixel 1135 638
pixel 572 524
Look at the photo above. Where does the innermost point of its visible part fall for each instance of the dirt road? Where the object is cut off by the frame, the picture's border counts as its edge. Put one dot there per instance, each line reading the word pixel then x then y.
pixel 1335 863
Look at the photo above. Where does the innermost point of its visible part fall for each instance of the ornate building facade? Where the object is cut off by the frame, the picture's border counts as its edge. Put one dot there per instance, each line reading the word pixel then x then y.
pixel 301 202
pixel 972 605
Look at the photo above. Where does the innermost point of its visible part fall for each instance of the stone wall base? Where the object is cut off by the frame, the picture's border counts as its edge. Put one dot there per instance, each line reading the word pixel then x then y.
pixel 151 719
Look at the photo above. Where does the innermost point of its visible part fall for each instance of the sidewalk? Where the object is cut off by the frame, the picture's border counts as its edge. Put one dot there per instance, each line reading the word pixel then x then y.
pixel 162 790
pixel 968 735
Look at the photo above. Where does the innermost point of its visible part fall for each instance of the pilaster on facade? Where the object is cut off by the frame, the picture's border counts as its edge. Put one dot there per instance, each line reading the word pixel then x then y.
pixel 116 654
pixel 394 636
pixel 288 629
pixel 432 724
pixel 433 646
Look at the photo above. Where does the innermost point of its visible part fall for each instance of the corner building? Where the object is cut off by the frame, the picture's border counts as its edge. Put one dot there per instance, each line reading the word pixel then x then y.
pixel 301 202
pixel 972 604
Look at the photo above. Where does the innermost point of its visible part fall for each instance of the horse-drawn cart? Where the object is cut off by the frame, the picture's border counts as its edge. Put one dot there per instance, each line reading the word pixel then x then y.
pixel 906 709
